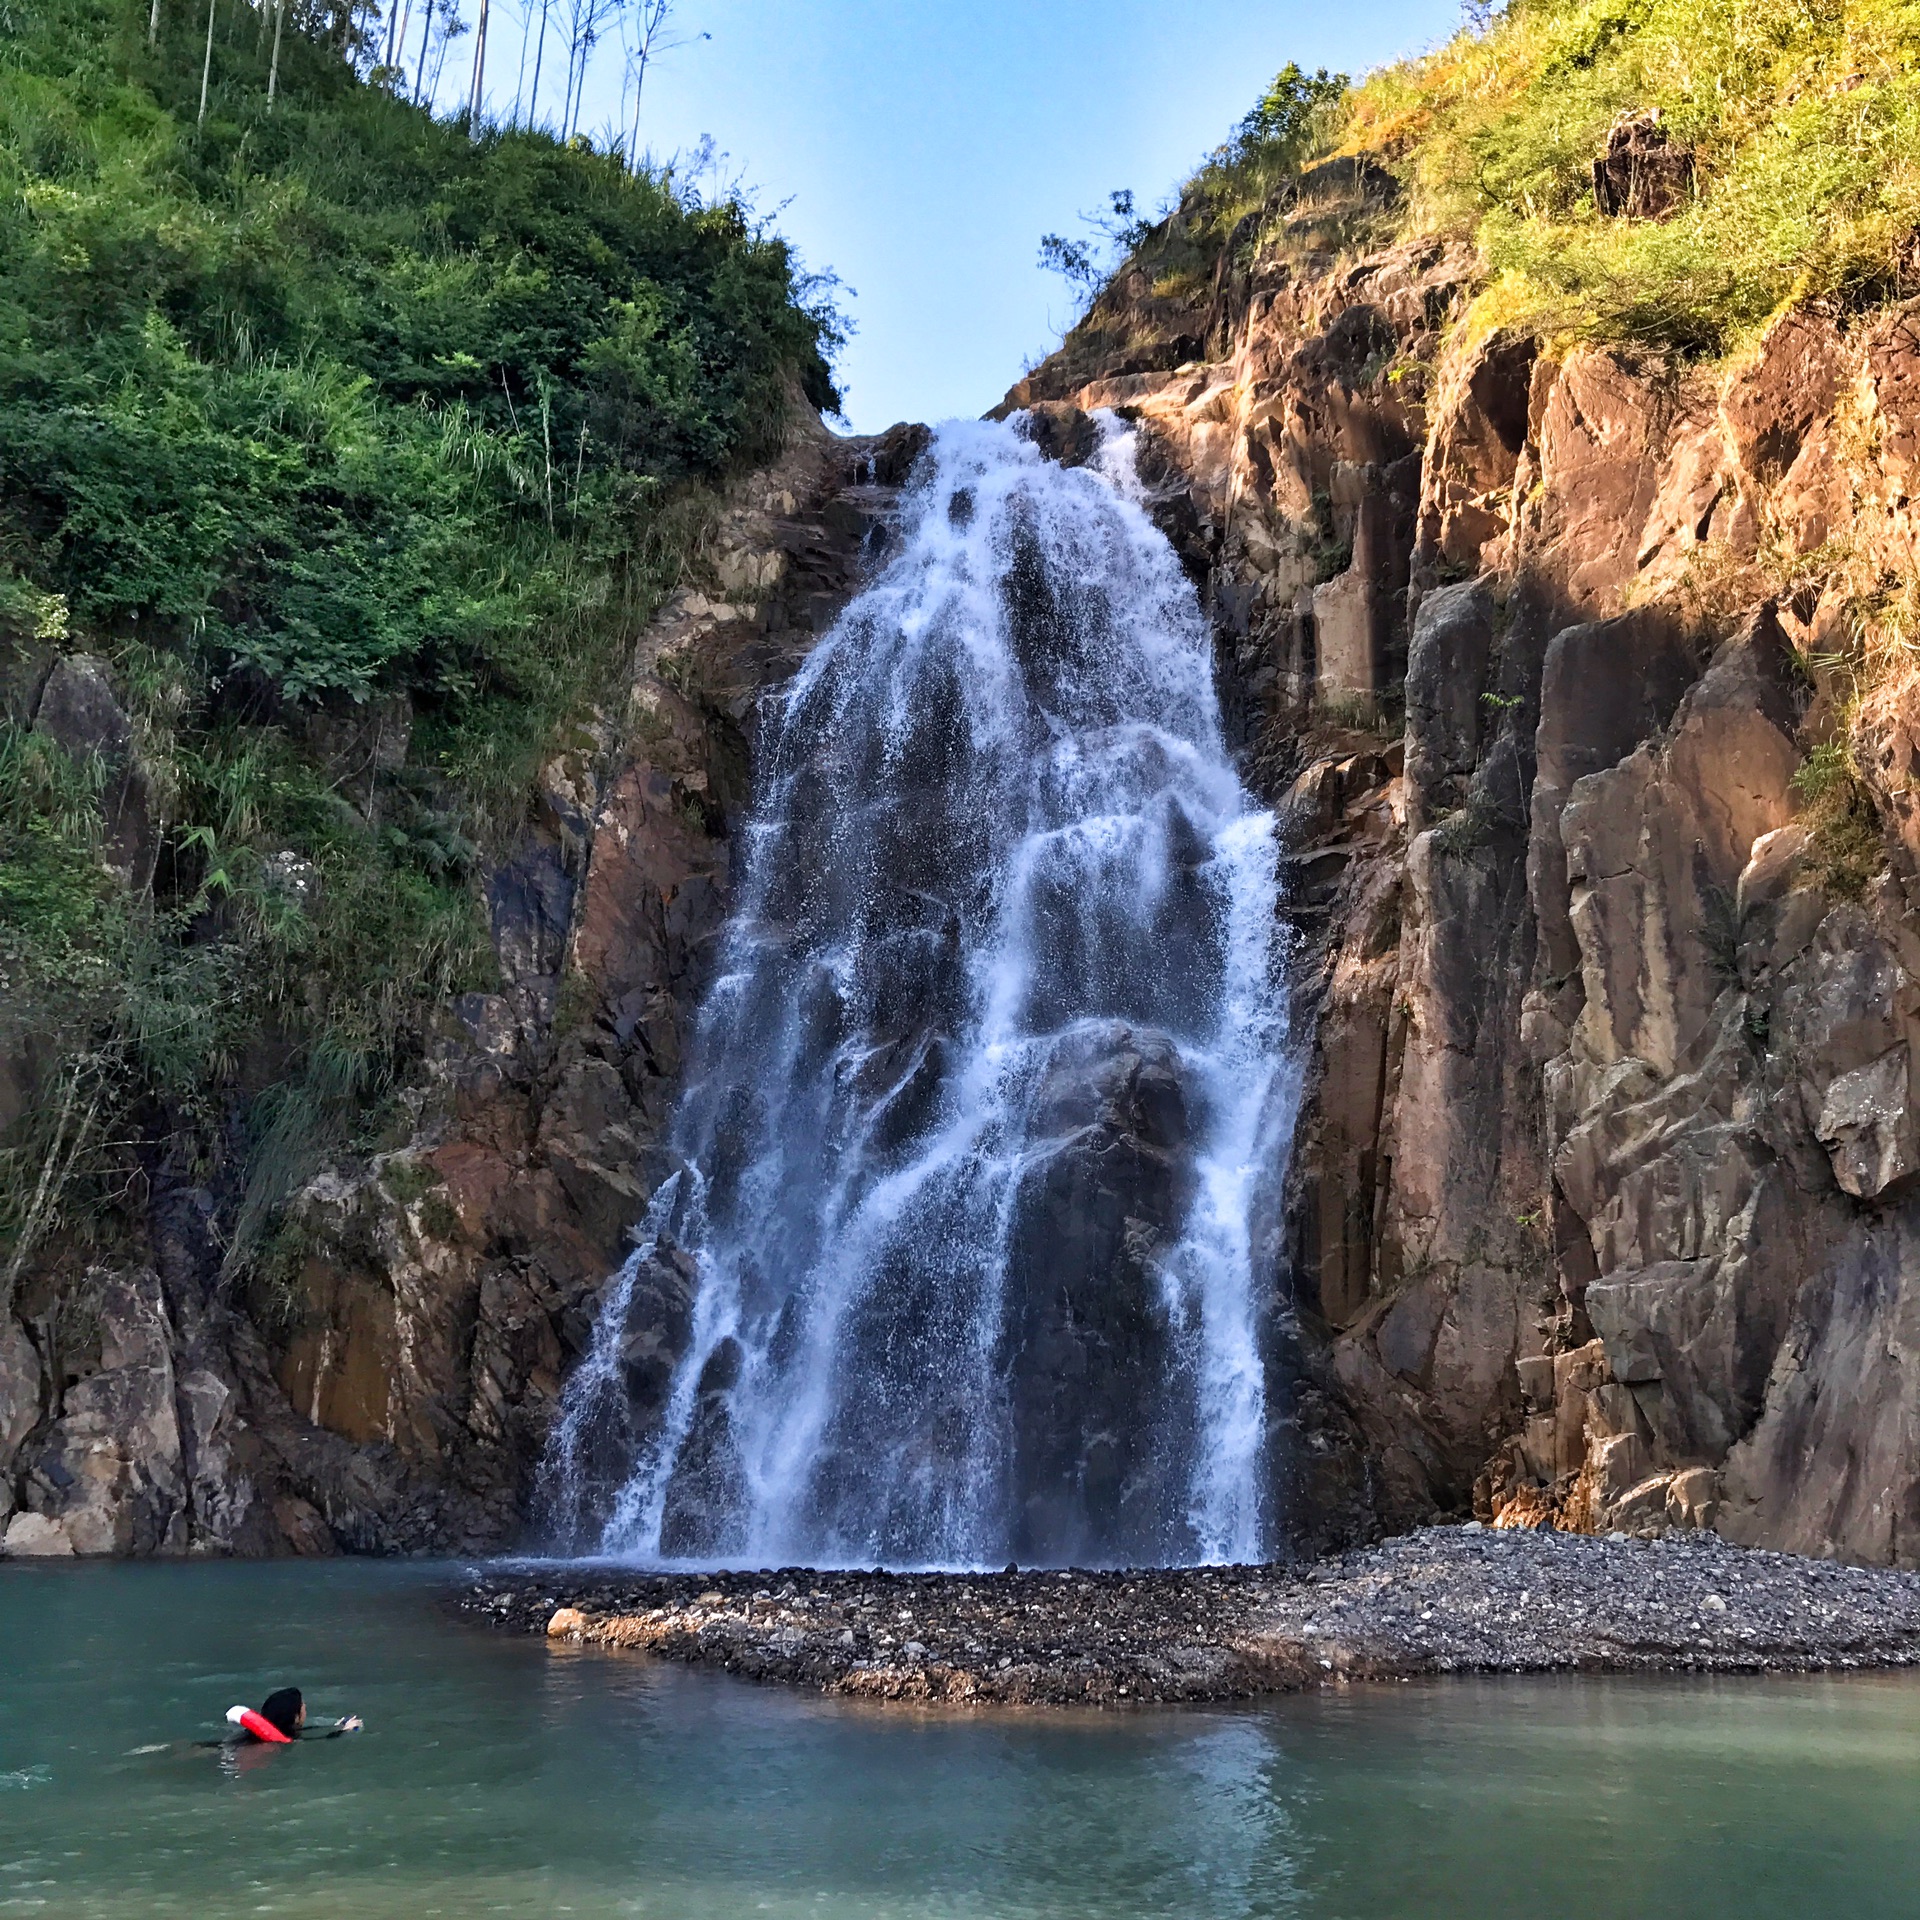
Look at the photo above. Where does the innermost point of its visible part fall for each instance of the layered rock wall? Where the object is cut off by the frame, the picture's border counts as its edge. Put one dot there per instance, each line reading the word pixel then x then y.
pixel 1602 1203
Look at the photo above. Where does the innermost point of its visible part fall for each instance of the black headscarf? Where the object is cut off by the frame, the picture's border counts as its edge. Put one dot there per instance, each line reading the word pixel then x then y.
pixel 282 1708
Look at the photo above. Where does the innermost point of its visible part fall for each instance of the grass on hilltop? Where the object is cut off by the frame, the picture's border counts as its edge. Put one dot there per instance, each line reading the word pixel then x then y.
pixel 1803 117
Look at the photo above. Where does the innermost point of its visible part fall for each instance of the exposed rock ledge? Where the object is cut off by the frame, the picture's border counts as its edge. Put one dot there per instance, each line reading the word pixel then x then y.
pixel 1443 1600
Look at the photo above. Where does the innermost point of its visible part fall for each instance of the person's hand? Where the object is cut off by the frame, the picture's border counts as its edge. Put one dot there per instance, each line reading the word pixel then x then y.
pixel 351 1724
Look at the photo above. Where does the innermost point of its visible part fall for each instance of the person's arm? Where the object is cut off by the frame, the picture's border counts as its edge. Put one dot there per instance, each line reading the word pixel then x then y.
pixel 348 1723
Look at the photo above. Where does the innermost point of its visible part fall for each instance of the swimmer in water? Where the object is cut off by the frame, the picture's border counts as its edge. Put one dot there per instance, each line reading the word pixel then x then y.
pixel 282 1719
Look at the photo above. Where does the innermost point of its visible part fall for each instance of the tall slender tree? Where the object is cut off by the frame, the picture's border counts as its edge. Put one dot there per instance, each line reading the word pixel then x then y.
pixel 520 72
pixel 539 52
pixel 451 27
pixel 206 65
pixel 426 40
pixel 273 70
pixel 479 66
pixel 652 36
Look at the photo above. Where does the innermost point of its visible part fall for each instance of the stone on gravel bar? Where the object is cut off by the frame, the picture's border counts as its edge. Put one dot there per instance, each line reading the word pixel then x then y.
pixel 1443 1600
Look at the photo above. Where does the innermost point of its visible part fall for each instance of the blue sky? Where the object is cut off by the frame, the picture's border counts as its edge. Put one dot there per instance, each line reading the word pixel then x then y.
pixel 921 149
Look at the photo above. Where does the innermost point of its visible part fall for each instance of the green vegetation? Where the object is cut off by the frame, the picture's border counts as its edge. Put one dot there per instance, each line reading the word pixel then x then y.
pixel 359 445
pixel 1803 118
pixel 1290 124
pixel 1844 845
pixel 1800 120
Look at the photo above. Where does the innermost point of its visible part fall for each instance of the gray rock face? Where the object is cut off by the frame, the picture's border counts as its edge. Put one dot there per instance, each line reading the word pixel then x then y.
pixel 1446 687
pixel 19 1400
pixel 110 1474
pixel 79 709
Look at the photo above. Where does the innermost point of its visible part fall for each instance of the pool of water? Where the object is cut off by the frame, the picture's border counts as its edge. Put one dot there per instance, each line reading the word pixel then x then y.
pixel 503 1776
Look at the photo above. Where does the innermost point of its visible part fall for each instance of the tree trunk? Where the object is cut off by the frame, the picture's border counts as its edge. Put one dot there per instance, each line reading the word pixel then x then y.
pixel 520 72
pixel 426 40
pixel 479 67
pixel 206 66
pixel 539 50
pixel 273 71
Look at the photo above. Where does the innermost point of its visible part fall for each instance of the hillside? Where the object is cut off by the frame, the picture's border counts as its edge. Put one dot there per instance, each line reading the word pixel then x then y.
pixel 346 455
pixel 343 457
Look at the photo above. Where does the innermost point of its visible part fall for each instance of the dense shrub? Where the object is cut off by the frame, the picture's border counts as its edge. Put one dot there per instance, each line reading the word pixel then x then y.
pixel 307 412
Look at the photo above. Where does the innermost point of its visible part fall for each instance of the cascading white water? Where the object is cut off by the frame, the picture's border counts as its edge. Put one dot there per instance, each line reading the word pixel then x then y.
pixel 990 1099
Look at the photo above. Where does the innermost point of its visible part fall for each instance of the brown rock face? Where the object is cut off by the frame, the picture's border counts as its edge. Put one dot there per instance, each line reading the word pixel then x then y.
pixel 456 1280
pixel 1603 1190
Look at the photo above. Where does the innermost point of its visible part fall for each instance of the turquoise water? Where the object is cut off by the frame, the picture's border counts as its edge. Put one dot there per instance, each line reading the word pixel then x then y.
pixel 501 1776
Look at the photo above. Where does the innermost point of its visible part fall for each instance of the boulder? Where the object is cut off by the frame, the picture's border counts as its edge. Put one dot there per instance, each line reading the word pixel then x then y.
pixel 1693 1498
pixel 33 1536
pixel 1867 1124
pixel 79 709
pixel 110 1470
pixel 1642 175
pixel 1831 1467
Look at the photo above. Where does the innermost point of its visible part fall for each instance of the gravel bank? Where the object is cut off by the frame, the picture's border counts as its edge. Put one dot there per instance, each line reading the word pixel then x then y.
pixel 1444 1600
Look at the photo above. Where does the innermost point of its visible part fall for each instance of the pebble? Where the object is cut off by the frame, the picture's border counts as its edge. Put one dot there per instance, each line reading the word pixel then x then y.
pixel 1443 1600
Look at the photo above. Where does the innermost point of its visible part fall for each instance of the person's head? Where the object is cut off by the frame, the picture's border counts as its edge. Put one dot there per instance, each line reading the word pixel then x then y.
pixel 285 1709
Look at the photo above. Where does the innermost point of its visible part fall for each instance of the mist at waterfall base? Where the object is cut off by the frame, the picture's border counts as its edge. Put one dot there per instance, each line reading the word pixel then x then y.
pixel 976 1166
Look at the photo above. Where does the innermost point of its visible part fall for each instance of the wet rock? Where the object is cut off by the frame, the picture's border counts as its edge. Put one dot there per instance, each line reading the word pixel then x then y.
pixel 1087 1330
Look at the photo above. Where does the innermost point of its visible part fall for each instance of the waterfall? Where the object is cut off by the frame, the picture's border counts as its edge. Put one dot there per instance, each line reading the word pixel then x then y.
pixel 968 1254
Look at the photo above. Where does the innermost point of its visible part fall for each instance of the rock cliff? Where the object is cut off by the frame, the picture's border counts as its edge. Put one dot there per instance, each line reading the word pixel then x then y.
pixel 439 1291
pixel 1603 1204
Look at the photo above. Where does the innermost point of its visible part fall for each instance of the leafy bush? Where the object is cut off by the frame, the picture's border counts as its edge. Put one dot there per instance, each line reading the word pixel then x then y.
pixel 310 413
pixel 1289 121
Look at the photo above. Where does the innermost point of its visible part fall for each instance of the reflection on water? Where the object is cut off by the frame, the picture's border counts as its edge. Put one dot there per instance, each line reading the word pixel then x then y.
pixel 504 1777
